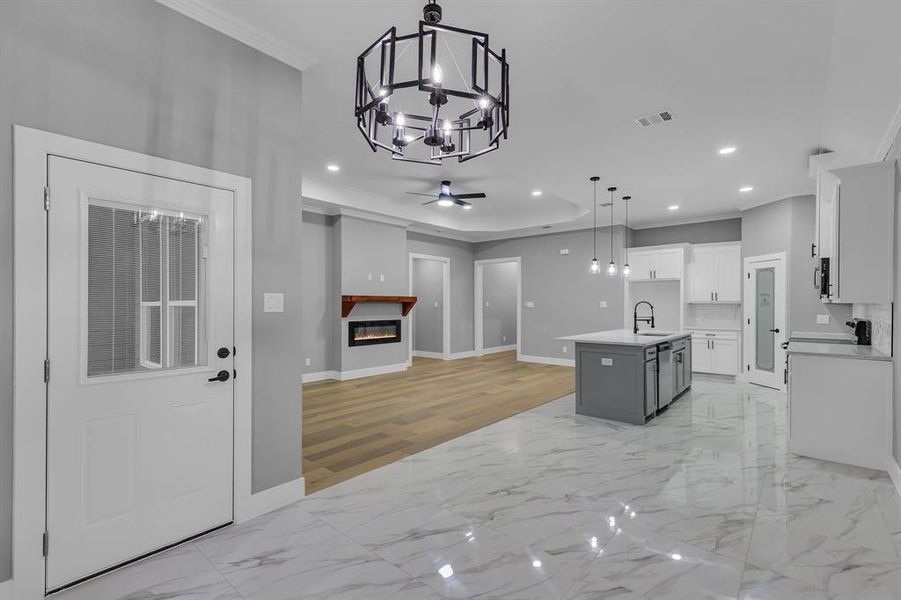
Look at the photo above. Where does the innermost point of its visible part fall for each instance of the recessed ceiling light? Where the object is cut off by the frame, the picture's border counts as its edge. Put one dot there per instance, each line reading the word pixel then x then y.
pixel 673 207
pixel 536 192
pixel 333 168
pixel 727 150
pixel 446 571
pixel 746 188
pixel 536 563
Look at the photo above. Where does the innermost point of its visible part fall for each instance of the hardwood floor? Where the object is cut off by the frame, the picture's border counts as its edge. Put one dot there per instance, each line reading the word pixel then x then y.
pixel 351 427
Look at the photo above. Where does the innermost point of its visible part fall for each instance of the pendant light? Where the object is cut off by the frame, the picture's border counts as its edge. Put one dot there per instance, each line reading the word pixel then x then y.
pixel 627 270
pixel 595 267
pixel 611 268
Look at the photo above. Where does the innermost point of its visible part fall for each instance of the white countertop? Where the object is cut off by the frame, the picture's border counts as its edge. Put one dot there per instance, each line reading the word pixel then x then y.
pixel 715 328
pixel 837 350
pixel 625 337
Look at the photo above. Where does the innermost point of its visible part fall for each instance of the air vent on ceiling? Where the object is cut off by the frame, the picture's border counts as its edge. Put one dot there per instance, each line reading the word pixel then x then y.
pixel 658 117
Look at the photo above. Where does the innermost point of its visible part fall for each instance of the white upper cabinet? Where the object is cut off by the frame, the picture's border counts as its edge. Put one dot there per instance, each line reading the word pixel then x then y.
pixel 715 273
pixel 651 265
pixel 854 221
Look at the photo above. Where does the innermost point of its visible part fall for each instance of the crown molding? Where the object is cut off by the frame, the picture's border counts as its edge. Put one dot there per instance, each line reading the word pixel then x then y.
pixel 368 216
pixel 204 12
pixel 893 128
pixel 687 220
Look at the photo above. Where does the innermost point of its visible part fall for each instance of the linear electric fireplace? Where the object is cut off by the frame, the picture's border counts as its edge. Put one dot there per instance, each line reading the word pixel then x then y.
pixel 366 333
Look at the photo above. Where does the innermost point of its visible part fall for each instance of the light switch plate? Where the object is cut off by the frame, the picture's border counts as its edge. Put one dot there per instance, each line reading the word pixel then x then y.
pixel 308 362
pixel 487 304
pixel 273 302
pixel 529 304
pixel 369 276
pixel 603 304
pixel 822 319
pixel 606 362
pixel 436 304
pixel 565 349
pixel 381 278
pixel 564 251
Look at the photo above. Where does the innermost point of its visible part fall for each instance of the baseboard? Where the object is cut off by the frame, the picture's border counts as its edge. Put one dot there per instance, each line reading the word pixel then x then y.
pixel 369 372
pixel 319 376
pixel 459 355
pixel 424 354
pixel 496 349
pixel 275 497
pixel 6 590
pixel 548 360
pixel 894 472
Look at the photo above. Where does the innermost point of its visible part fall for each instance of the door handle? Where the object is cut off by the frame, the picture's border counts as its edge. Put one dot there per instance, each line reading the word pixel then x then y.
pixel 774 330
pixel 222 375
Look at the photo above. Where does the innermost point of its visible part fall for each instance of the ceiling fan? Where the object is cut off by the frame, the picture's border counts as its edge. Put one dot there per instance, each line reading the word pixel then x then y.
pixel 446 198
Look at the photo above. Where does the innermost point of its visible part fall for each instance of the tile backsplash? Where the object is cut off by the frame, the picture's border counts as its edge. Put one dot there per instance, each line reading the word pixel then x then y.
pixel 714 316
pixel 881 316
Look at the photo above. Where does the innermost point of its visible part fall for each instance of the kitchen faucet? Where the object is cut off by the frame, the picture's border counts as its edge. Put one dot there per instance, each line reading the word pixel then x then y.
pixel 636 318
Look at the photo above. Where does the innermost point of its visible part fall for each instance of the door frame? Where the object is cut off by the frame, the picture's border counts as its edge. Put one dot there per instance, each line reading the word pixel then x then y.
pixel 31 149
pixel 750 335
pixel 478 315
pixel 445 308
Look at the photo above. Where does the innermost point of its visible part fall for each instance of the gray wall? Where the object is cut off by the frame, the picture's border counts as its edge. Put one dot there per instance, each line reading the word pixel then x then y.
pixel 461 255
pixel 137 75
pixel 427 315
pixel 499 283
pixel 787 225
pixel 376 249
pixel 566 296
pixel 318 294
pixel 708 232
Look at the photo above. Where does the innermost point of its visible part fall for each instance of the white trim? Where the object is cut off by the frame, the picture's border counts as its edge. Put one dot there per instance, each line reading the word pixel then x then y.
pixel 320 376
pixel 31 147
pixel 276 497
pixel 893 128
pixel 203 12
pixel 459 355
pixel 445 309
pixel 687 221
pixel 548 360
pixel 6 590
pixel 479 315
pixel 894 472
pixel 376 218
pixel 370 371
pixel 498 349
pixel 424 354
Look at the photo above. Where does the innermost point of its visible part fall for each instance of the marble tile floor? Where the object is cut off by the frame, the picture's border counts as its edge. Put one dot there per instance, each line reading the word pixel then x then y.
pixel 703 502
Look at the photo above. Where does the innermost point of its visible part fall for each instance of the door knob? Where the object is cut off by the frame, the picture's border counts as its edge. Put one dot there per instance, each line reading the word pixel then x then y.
pixel 222 375
pixel 774 330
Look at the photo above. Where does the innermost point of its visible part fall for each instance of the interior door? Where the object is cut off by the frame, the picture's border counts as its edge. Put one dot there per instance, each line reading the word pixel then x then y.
pixel 765 321
pixel 140 343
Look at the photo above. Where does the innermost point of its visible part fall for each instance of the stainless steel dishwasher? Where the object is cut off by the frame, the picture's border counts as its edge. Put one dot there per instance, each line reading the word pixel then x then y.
pixel 664 375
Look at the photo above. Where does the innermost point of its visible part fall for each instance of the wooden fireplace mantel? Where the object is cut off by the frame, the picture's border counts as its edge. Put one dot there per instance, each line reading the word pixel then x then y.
pixel 348 302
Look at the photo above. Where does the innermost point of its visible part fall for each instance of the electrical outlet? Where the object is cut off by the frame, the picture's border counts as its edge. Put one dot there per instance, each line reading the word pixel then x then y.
pixel 606 362
pixel 565 349
pixel 603 304
pixel 487 304
pixel 822 319
pixel 308 362
pixel 369 276
pixel 382 278
pixel 436 304
pixel 503 338
pixel 564 251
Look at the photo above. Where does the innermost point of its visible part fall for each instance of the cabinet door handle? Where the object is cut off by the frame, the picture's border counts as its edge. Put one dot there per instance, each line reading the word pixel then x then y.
pixel 813 251
pixel 816 281
pixel 716 296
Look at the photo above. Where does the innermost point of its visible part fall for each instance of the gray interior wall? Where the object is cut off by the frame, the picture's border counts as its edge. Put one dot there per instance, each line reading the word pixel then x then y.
pixel 787 225
pixel 427 315
pixel 567 298
pixel 461 255
pixel 317 297
pixel 707 232
pixel 499 284
pixel 370 250
pixel 137 75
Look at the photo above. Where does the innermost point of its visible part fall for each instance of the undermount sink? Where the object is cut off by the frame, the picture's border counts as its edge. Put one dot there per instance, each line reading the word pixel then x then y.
pixel 655 334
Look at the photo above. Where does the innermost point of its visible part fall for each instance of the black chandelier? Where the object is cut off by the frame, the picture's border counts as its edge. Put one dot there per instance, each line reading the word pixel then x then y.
pixel 407 107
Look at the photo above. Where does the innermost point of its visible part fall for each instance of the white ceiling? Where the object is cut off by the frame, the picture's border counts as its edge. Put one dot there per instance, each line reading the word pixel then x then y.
pixel 775 79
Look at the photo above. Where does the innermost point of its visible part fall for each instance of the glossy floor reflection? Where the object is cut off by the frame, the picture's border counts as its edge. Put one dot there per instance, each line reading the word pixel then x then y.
pixel 704 502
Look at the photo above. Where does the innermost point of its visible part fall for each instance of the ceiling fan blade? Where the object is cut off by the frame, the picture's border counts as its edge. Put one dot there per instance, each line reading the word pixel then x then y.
pixel 466 196
pixel 419 194
pixel 462 203
pixel 429 202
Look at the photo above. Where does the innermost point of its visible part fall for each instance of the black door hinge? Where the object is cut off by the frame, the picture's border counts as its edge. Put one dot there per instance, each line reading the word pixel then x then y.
pixel 46 197
pixel 749 367
pixel 234 373
pixel 46 370
pixel 45 544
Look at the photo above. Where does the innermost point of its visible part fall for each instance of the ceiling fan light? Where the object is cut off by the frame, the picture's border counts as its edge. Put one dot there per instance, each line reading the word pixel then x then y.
pixel 445 201
pixel 467 207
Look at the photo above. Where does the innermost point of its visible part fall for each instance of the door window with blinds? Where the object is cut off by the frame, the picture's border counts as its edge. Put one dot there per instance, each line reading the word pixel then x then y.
pixel 146 271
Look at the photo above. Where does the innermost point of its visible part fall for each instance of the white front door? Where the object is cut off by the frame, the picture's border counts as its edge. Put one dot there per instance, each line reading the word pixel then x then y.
pixel 765 332
pixel 140 321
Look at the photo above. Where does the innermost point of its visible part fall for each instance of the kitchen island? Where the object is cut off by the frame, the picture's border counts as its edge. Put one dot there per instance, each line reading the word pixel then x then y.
pixel 624 376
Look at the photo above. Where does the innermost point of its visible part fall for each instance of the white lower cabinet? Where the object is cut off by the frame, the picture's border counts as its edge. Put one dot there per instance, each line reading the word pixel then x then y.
pixel 715 352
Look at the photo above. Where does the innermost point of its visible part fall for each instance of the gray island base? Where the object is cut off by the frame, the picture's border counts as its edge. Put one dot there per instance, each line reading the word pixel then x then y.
pixel 630 377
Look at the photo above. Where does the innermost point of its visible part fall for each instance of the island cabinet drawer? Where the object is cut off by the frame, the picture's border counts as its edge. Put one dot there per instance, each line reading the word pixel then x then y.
pixel 610 384
pixel 650 353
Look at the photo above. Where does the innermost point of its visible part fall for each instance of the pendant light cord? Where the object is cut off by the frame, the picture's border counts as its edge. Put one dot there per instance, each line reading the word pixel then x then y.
pixel 611 226
pixel 595 220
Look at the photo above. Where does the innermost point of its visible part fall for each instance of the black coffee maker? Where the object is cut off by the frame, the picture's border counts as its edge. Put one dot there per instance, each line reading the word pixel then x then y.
pixel 863 330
